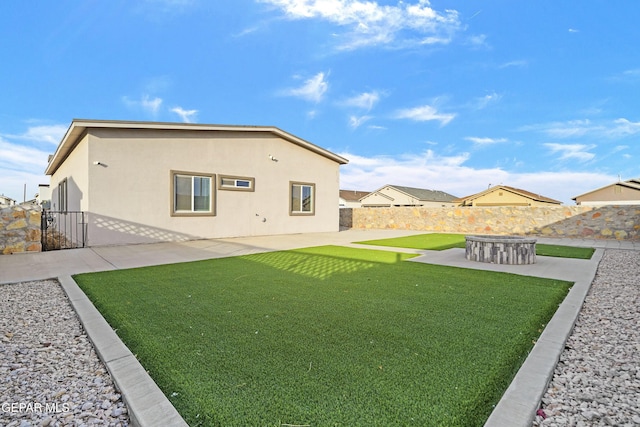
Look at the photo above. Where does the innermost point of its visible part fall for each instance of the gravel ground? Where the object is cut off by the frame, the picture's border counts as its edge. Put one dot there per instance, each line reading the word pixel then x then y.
pixel 597 381
pixel 50 374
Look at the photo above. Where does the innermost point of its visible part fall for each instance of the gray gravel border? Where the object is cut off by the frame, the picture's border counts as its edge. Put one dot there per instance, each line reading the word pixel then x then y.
pixel 597 379
pixel 50 374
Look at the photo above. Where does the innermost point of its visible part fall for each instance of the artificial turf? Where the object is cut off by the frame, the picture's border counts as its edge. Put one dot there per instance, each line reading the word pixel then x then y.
pixel 326 336
pixel 442 241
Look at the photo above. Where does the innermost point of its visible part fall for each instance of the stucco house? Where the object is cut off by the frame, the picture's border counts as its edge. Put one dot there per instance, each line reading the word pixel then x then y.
pixel 618 193
pixel 398 196
pixel 351 198
pixel 143 182
pixel 6 201
pixel 503 195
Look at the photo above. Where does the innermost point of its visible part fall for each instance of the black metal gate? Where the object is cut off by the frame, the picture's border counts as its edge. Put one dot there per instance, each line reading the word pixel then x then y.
pixel 63 230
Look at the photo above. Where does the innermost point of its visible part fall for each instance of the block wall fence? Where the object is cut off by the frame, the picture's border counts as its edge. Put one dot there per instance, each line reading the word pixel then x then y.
pixel 20 229
pixel 594 222
pixel 20 225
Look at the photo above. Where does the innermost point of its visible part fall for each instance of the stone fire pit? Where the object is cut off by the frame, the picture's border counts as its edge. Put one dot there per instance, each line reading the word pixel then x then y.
pixel 501 249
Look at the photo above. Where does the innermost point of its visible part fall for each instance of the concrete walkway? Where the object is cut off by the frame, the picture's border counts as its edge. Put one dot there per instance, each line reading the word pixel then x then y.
pixel 149 407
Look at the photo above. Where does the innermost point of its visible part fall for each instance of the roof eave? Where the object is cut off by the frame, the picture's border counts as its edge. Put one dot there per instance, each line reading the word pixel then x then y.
pixel 79 126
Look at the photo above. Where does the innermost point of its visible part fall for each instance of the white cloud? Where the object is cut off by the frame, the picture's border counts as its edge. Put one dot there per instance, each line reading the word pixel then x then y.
pixel 355 121
pixel 246 31
pixel 147 104
pixel 365 100
pixel 516 63
pixel 572 151
pixel 20 165
pixel 484 101
pixel 620 148
pixel 368 23
pixel 485 141
pixel 187 116
pixel 151 105
pixel 51 134
pixel 14 156
pixel 624 127
pixel 425 113
pixel 627 76
pixel 312 89
pixel 450 174
pixel 571 129
pixel 479 41
pixel 618 128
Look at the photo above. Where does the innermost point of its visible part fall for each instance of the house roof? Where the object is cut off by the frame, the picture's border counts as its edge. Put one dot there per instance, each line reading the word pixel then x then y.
pixel 422 194
pixel 524 193
pixel 633 183
pixel 6 198
pixel 79 127
pixel 352 195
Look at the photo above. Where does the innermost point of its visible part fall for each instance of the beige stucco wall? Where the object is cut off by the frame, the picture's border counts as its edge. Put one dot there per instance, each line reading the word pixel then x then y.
pixel 344 203
pixel 128 197
pixel 501 197
pixel 613 194
pixel 76 170
pixel 389 196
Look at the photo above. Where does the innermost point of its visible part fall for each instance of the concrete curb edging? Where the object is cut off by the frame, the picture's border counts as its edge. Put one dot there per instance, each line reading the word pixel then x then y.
pixel 146 404
pixel 521 400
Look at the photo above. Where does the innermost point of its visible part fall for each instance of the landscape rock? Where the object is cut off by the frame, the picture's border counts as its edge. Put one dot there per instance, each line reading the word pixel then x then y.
pixel 50 374
pixel 597 379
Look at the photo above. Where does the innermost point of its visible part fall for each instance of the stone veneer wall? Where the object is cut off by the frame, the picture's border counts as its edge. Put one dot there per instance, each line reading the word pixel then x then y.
pixel 20 229
pixel 600 222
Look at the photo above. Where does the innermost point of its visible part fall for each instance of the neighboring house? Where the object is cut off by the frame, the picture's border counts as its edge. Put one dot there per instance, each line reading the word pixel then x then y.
pixel 502 195
pixel 619 193
pixel 147 181
pixel 43 198
pixel 351 198
pixel 396 196
pixel 6 201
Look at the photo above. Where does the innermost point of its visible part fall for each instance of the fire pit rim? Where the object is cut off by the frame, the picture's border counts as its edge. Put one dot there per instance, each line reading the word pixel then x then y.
pixel 501 239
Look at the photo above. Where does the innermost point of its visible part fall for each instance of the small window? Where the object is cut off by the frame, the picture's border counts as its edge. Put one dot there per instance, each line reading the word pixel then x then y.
pixel 303 197
pixel 62 195
pixel 239 183
pixel 192 194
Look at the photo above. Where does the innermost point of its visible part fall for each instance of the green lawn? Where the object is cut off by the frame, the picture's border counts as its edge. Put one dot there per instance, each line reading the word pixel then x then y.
pixel 326 336
pixel 442 241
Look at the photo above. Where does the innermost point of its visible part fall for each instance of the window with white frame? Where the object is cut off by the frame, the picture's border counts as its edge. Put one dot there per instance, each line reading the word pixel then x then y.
pixel 192 194
pixel 302 198
pixel 238 183
pixel 62 195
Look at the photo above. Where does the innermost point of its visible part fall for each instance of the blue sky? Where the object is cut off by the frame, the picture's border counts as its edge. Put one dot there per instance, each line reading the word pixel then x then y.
pixel 450 95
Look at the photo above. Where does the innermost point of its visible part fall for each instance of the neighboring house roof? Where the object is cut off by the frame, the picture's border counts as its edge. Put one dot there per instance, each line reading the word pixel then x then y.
pixel 79 127
pixel 524 193
pixel 421 194
pixel 630 183
pixel 352 195
pixel 6 200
